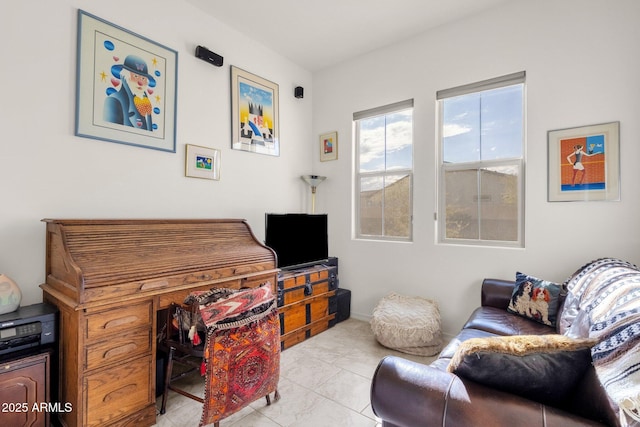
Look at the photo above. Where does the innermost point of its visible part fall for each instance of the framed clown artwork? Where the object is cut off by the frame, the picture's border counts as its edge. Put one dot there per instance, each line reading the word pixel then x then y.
pixel 254 113
pixel 584 163
pixel 126 86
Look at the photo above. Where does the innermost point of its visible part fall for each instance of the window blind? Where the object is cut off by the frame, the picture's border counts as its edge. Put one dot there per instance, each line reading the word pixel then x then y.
pixel 507 80
pixel 378 111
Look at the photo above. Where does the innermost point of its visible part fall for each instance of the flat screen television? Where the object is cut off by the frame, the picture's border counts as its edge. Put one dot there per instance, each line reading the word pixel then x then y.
pixel 297 238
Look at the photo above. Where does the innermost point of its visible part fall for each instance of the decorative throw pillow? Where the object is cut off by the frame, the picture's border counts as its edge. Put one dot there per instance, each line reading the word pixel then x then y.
pixel 544 368
pixel 536 299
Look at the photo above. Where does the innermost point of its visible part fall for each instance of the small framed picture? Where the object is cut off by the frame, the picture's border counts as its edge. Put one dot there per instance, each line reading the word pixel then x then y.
pixel 328 146
pixel 202 162
pixel 584 163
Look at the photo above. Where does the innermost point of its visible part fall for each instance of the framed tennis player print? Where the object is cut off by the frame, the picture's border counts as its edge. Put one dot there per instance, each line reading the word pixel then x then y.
pixel 126 86
pixel 584 163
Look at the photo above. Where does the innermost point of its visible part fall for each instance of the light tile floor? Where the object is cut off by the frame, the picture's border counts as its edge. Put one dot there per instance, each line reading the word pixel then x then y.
pixel 324 382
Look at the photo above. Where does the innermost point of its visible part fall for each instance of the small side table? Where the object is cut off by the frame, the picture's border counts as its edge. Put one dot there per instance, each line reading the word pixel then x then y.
pixel 24 386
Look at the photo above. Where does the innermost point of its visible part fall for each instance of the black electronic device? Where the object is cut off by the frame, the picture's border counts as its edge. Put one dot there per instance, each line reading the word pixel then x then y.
pixel 211 57
pixel 298 92
pixel 28 326
pixel 297 238
pixel 344 304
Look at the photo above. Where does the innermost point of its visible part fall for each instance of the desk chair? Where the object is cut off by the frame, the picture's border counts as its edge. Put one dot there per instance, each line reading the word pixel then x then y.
pixel 210 333
pixel 182 320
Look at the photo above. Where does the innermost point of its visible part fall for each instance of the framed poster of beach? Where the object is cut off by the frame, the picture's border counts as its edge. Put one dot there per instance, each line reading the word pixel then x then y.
pixel 584 163
pixel 254 113
pixel 126 86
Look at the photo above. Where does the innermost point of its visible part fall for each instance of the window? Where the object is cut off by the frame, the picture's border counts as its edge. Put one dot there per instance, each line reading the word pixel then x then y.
pixel 481 161
pixel 384 172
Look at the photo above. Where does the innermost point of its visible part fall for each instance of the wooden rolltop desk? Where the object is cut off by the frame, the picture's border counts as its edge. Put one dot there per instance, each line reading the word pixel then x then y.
pixel 109 278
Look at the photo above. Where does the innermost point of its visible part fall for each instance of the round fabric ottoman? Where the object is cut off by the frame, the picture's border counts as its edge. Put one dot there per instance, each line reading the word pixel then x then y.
pixel 408 324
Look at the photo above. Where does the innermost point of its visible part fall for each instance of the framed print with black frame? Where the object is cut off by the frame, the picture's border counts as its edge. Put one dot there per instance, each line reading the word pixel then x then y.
pixel 126 86
pixel 254 113
pixel 584 163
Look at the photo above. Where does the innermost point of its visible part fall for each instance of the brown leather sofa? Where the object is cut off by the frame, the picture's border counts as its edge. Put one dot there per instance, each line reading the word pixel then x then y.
pixel 410 394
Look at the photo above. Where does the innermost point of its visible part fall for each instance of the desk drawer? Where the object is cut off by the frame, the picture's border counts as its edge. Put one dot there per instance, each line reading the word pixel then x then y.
pixel 127 346
pixel 118 391
pixel 118 320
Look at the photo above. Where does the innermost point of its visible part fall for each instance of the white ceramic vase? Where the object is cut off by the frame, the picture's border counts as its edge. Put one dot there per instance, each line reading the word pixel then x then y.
pixel 10 295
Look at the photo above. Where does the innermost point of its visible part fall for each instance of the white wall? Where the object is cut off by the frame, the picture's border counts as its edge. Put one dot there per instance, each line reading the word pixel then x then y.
pixel 47 172
pixel 581 59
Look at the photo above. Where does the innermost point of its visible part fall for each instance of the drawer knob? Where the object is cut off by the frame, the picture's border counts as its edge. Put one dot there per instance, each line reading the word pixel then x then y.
pixel 120 350
pixel 154 285
pixel 119 322
pixel 117 394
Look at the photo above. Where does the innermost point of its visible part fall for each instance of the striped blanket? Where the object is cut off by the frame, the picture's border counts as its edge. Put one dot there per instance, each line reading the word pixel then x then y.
pixel 603 301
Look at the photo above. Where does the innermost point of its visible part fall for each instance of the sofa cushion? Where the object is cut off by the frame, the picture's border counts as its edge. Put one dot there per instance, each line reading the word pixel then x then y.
pixel 536 299
pixel 544 368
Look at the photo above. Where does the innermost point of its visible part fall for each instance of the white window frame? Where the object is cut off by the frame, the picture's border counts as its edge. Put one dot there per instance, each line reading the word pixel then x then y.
pixel 442 167
pixel 367 114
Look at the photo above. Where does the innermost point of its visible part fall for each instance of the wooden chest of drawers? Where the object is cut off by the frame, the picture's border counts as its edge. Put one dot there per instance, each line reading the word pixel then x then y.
pixel 109 278
pixel 304 297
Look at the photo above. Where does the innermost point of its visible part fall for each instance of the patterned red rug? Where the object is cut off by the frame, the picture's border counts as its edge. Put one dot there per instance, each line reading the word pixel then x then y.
pixel 242 349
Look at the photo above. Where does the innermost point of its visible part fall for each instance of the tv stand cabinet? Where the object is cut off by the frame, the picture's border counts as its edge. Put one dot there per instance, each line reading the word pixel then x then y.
pixel 306 301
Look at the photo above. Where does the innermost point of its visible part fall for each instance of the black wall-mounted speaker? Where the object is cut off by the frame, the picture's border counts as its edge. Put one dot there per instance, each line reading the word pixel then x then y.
pixel 211 57
pixel 299 92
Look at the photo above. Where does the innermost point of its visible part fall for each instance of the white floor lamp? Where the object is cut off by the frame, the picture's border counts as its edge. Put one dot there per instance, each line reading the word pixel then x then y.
pixel 313 181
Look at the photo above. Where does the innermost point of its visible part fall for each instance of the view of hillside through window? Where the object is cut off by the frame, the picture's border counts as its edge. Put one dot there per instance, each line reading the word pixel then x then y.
pixel 481 168
pixel 385 162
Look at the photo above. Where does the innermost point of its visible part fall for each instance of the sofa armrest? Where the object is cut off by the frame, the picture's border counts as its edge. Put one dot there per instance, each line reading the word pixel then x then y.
pixel 406 393
pixel 496 293
pixel 409 394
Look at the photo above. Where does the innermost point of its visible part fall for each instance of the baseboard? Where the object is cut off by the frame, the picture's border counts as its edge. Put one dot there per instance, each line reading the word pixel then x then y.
pixel 360 316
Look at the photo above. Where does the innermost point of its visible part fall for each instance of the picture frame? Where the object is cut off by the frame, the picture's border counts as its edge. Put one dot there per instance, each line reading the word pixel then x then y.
pixel 584 163
pixel 113 65
pixel 329 146
pixel 202 162
pixel 254 113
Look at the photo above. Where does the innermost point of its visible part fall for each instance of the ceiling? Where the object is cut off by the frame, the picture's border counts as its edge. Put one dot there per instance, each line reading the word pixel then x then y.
pixel 319 34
